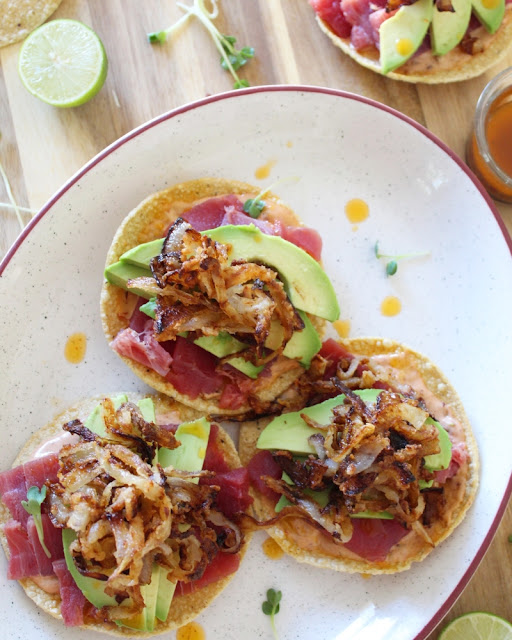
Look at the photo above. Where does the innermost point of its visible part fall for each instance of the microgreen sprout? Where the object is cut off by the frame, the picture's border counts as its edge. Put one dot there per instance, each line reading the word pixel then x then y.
pixel 271 607
pixel 33 506
pixel 510 538
pixel 231 58
pixel 392 264
pixel 254 206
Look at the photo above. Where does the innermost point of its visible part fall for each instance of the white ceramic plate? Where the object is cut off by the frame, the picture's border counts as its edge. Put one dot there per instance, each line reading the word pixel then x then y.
pixel 455 310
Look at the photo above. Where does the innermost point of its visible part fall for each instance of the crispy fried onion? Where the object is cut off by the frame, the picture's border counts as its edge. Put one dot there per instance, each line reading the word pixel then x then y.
pixel 368 459
pixel 198 289
pixel 129 515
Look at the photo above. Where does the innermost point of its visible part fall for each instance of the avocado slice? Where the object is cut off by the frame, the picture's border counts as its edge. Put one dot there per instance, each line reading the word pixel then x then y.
pixel 306 283
pixel 441 460
pixel 141 255
pixel 93 590
pixel 489 12
pixel 95 421
pixel 448 27
pixel 120 272
pixel 193 437
pixel 402 34
pixel 221 345
pixel 302 346
pixel 289 431
pixel 189 456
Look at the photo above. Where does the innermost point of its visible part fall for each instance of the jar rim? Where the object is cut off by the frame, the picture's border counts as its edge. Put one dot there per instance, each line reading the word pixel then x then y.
pixel 493 89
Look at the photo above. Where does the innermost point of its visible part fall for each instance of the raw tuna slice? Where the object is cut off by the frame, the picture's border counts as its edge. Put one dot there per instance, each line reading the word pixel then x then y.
pixel 13 491
pixel 263 464
pixel 209 214
pixel 373 538
pixel 39 470
pixel 214 459
pixel 22 560
pixel 193 370
pixel 224 564
pixel 143 348
pixel 52 540
pixel 305 238
pixel 233 496
pixel 73 600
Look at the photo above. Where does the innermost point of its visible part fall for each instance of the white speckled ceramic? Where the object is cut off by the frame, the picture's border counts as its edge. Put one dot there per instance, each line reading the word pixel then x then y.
pixel 456 308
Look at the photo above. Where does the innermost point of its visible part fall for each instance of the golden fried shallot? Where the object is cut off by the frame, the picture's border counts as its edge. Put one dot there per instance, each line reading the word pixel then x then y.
pixel 198 288
pixel 129 513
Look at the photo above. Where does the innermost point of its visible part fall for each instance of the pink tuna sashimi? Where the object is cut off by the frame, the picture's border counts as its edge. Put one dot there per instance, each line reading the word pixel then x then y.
pixel 13 490
pixel 52 540
pixel 364 32
pixel 209 214
pixel 239 218
pixel 22 559
pixel 40 470
pixel 330 12
pixel 143 348
pixel 73 600
pixel 305 238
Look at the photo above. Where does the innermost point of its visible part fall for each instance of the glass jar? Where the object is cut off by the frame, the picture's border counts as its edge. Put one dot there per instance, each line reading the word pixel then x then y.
pixel 489 149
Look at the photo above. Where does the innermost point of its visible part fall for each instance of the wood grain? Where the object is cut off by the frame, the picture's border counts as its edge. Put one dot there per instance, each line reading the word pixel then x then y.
pixel 42 147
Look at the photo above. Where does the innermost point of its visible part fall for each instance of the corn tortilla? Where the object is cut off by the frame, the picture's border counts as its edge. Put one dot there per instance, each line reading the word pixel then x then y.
pixel 426 68
pixel 183 608
pixel 460 490
pixel 20 17
pixel 149 221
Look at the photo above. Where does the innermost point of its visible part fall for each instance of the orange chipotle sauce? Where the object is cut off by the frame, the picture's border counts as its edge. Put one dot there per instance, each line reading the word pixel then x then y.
pixel 271 549
pixel 76 344
pixel 191 631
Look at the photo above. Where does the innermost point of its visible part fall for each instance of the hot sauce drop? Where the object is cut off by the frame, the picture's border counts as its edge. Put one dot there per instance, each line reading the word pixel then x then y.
pixel 271 549
pixel 356 210
pixel 264 171
pixel 76 345
pixel 390 306
pixel 191 631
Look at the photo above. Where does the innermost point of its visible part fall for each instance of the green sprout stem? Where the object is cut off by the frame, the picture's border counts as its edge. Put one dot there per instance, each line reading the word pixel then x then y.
pixel 254 206
pixel 392 265
pixel 223 44
pixel 271 608
pixel 32 505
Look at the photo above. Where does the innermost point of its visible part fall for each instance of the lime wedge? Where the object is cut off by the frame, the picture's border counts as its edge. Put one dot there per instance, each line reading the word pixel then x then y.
pixel 63 63
pixel 477 626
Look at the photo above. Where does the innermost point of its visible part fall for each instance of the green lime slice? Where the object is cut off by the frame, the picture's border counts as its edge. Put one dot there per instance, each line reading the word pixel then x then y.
pixel 63 63
pixel 477 625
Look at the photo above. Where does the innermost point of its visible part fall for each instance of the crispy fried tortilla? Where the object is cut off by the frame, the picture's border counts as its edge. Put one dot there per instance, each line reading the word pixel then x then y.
pixel 149 221
pixel 184 607
pixel 20 17
pixel 404 369
pixel 426 68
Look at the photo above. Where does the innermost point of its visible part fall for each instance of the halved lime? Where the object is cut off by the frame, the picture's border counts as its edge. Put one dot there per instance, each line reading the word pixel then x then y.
pixel 477 625
pixel 63 63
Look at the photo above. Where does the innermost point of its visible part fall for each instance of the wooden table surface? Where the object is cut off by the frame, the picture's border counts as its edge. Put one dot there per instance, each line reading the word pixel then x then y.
pixel 41 147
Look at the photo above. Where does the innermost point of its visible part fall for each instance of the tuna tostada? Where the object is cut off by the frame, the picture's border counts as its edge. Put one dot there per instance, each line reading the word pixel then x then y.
pixel 215 295
pixel 430 41
pixel 375 472
pixel 120 515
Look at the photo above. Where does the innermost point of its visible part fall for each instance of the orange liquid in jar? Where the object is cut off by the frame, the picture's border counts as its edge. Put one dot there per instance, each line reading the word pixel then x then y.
pixel 498 132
